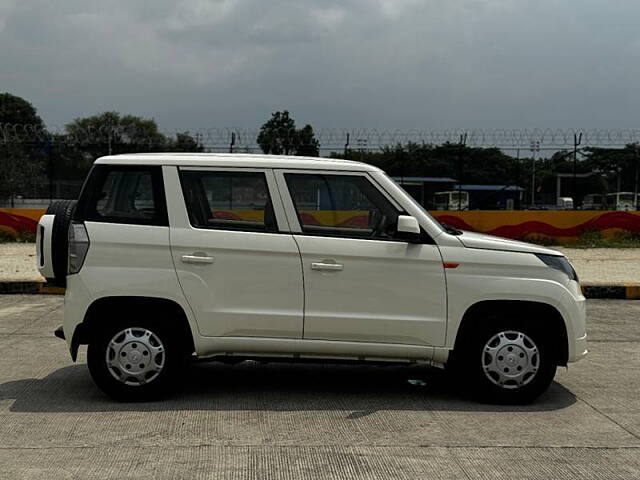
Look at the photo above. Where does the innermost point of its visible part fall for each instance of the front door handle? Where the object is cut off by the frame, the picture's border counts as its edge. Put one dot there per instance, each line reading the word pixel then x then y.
pixel 199 259
pixel 334 267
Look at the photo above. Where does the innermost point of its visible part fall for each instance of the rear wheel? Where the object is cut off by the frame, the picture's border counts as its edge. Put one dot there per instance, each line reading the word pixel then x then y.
pixel 133 361
pixel 506 362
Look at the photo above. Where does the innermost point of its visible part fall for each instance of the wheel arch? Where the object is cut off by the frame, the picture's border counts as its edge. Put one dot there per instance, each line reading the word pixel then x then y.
pixel 116 305
pixel 528 310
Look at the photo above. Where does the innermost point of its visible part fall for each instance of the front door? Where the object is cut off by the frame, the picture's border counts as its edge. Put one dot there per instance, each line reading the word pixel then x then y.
pixel 362 283
pixel 240 274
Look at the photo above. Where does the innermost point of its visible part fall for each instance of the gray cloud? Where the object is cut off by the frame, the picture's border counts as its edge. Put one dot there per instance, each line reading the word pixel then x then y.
pixel 426 64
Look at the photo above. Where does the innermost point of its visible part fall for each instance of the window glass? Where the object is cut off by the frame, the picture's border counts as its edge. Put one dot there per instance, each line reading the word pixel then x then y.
pixel 228 200
pixel 119 194
pixel 341 205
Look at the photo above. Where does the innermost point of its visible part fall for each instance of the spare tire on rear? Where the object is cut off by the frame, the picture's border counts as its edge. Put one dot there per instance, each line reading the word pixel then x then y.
pixel 63 211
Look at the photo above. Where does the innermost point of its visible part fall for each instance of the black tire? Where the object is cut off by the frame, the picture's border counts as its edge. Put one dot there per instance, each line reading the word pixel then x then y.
pixel 174 355
pixel 63 211
pixel 471 377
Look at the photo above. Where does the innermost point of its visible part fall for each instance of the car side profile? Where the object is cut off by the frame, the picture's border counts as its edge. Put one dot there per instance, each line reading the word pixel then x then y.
pixel 235 256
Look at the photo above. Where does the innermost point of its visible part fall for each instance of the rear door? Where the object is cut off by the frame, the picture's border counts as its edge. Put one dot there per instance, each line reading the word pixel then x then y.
pixel 237 266
pixel 362 283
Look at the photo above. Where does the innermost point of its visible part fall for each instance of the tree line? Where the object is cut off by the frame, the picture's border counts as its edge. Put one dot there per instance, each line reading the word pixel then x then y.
pixel 608 169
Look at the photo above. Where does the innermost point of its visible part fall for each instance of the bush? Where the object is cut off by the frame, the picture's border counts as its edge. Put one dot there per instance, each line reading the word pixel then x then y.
pixel 24 236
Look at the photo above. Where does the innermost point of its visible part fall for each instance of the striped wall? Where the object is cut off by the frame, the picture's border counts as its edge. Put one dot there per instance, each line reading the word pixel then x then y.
pixel 562 226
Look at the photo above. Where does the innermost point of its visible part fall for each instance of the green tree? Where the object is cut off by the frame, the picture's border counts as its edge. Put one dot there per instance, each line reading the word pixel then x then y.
pixel 23 146
pixel 111 133
pixel 279 136
pixel 184 142
pixel 619 166
pixel 306 143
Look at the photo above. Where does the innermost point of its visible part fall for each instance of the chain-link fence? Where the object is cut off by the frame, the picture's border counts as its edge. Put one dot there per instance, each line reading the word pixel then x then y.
pixel 443 170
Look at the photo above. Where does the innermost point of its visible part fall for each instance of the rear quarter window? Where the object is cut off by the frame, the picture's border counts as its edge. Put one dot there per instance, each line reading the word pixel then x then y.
pixel 123 194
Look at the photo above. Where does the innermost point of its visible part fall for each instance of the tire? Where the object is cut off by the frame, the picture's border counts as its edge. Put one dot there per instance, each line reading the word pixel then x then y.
pixel 505 361
pixel 134 361
pixel 63 211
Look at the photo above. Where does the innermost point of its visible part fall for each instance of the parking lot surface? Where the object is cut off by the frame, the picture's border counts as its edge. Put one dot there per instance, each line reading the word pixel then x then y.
pixel 307 421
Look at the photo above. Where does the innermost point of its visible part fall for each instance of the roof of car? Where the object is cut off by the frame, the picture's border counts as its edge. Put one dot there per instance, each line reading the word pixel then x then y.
pixel 234 160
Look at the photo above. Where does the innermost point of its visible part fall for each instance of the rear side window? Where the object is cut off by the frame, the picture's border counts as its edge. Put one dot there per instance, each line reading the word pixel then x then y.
pixel 123 194
pixel 228 200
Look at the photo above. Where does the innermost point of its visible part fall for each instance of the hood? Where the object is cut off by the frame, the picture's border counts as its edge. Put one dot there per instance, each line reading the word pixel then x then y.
pixel 489 242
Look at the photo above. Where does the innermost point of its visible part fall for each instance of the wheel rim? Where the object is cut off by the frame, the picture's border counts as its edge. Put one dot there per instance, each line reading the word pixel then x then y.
pixel 135 356
pixel 510 359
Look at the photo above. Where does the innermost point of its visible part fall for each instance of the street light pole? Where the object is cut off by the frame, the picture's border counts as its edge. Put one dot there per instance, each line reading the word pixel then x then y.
pixel 576 141
pixel 534 147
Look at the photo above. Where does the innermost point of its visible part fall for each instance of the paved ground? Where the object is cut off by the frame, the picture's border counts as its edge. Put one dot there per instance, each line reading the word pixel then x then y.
pixel 605 265
pixel 305 421
pixel 594 265
pixel 18 262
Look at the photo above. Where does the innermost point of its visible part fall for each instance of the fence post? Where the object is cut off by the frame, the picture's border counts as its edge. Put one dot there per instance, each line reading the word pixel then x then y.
pixel 233 142
pixel 50 159
pixel 576 141
pixel 461 145
pixel 346 145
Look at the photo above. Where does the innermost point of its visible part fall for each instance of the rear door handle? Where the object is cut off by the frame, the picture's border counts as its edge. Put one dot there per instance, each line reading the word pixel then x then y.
pixel 334 267
pixel 199 259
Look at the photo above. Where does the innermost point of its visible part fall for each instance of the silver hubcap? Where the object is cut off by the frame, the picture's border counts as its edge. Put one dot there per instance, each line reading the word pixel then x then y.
pixel 510 359
pixel 135 356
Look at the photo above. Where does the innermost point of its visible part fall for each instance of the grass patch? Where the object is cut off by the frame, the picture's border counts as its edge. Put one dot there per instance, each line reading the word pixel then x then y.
pixel 595 239
pixel 590 239
pixel 24 236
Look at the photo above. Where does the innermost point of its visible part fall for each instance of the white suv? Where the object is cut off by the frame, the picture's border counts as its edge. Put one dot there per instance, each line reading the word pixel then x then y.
pixel 248 256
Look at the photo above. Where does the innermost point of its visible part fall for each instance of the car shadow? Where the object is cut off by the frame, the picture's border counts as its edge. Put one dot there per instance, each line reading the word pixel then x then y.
pixel 257 386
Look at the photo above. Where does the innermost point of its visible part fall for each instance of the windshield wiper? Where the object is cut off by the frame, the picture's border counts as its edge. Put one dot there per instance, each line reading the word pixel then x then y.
pixel 450 229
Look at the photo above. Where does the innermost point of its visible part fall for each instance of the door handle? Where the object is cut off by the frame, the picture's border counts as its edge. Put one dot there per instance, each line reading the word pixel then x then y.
pixel 199 259
pixel 334 267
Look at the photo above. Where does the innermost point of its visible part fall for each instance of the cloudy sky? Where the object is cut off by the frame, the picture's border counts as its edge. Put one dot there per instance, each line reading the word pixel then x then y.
pixel 427 64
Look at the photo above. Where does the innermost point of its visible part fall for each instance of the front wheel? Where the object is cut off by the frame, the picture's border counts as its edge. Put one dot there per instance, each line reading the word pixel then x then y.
pixel 136 361
pixel 507 363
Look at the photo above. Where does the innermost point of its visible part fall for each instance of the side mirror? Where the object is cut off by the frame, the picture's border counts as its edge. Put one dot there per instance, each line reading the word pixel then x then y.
pixel 408 224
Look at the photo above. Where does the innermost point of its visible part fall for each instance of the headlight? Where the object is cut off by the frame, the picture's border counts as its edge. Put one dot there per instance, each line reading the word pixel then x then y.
pixel 559 263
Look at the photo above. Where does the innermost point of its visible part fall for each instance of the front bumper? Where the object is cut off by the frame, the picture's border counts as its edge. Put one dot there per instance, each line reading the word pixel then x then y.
pixel 579 349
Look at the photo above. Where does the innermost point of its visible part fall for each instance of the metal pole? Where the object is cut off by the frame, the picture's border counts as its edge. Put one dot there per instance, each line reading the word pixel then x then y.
pixel 463 142
pixel 576 141
pixel 635 185
pixel 519 194
pixel 49 148
pixel 535 147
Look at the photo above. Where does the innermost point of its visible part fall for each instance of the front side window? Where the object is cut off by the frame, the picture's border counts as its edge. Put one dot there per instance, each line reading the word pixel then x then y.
pixel 341 205
pixel 228 200
pixel 123 194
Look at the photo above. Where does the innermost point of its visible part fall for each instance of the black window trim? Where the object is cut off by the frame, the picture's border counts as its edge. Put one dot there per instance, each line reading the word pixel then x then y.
pixel 92 187
pixel 374 185
pixel 424 237
pixel 217 169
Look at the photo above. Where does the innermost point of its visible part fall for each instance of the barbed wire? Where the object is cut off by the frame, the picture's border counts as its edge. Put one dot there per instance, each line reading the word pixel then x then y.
pixel 328 138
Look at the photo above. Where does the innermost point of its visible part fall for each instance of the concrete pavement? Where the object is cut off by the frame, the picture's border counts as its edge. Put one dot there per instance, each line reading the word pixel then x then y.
pixel 311 421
